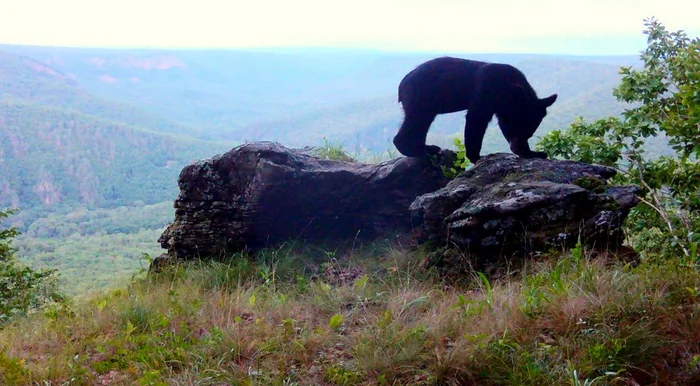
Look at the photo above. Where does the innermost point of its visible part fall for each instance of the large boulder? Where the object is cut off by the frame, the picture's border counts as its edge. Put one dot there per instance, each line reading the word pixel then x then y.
pixel 506 206
pixel 260 194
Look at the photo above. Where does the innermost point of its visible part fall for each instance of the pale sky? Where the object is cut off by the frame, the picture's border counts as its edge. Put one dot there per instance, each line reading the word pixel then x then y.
pixel 448 25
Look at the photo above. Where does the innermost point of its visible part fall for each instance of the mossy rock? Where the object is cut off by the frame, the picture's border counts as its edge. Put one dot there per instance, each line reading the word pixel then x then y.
pixel 593 184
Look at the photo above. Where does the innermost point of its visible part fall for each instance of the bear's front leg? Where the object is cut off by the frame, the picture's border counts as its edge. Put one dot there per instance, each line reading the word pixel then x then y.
pixel 474 130
pixel 538 154
pixel 522 149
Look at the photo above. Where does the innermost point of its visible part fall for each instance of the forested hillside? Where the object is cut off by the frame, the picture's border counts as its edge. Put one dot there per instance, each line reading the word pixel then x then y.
pixel 52 156
pixel 95 248
pixel 63 147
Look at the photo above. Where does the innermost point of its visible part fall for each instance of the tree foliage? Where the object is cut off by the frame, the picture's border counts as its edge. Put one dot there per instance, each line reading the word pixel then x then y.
pixel 6 235
pixel 664 101
pixel 22 289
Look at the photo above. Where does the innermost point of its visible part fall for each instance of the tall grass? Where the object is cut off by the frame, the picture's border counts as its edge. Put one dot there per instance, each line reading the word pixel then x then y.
pixel 570 320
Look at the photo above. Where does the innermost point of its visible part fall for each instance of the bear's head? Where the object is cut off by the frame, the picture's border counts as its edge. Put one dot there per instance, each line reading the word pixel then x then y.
pixel 537 113
pixel 525 116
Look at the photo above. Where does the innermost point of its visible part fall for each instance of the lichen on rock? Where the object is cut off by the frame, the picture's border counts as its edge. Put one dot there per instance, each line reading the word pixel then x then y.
pixel 510 206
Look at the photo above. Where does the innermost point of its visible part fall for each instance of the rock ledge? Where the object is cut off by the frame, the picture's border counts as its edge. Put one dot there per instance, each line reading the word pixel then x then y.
pixel 506 205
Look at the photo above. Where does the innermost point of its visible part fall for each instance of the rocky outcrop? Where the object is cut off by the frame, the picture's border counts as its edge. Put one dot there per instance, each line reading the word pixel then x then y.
pixel 507 206
pixel 261 194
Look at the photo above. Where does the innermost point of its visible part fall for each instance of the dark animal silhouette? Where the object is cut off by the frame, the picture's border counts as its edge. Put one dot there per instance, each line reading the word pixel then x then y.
pixel 447 85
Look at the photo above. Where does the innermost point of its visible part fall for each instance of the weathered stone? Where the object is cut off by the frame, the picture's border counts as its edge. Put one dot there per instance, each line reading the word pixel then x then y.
pixel 506 205
pixel 261 194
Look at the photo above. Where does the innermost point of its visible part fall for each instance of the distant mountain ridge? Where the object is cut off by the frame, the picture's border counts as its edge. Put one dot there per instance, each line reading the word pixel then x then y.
pixel 225 91
pixel 25 78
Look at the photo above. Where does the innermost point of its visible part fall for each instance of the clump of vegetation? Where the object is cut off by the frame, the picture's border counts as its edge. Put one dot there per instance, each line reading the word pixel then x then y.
pixel 23 290
pixel 665 102
pixel 591 183
pixel 460 163
pixel 333 151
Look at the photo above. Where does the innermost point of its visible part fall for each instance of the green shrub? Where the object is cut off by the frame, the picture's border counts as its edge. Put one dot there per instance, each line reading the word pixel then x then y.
pixel 22 289
pixel 460 163
pixel 665 105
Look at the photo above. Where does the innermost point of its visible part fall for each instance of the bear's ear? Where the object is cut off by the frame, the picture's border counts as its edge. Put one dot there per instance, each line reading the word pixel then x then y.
pixel 548 101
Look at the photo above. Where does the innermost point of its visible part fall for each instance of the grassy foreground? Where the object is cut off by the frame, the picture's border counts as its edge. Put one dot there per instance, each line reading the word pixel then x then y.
pixel 371 319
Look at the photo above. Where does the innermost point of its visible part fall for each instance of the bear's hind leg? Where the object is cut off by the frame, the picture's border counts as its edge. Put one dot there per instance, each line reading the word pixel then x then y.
pixel 410 140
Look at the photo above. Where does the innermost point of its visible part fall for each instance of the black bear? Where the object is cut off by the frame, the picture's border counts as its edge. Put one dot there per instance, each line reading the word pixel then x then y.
pixel 447 85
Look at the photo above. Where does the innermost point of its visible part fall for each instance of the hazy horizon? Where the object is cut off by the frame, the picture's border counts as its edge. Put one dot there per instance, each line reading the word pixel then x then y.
pixel 539 26
pixel 610 52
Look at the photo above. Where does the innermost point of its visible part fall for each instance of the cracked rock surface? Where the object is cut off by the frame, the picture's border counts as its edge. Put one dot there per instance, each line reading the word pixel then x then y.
pixel 506 205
